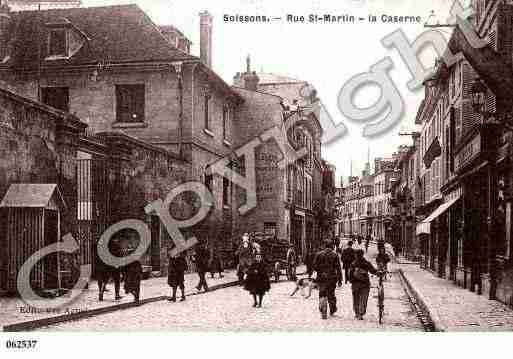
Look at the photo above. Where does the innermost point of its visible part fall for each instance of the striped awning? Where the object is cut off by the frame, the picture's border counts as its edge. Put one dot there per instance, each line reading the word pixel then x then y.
pixel 424 227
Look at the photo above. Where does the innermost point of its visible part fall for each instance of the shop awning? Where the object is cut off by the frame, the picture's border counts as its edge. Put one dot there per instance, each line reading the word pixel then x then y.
pixel 424 227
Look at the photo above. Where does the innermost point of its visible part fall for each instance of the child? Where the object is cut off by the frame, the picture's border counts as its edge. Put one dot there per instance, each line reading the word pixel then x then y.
pixel 175 275
pixel 257 280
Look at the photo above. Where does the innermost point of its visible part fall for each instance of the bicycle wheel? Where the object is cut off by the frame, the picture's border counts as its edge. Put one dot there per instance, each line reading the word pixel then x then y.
pixel 381 303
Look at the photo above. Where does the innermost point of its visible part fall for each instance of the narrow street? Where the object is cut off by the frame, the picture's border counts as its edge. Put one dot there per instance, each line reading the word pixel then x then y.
pixel 230 309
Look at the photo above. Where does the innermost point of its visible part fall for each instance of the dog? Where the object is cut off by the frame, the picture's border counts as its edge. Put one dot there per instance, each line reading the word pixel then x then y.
pixel 305 283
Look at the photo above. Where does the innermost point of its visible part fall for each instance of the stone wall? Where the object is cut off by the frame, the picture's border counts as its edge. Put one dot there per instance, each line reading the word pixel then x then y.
pixel 259 113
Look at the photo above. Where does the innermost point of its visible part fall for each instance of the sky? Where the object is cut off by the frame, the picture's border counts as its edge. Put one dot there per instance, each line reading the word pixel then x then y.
pixel 325 55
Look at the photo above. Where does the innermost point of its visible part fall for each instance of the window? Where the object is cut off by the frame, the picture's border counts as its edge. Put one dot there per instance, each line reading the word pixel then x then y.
pixel 57 97
pixel 226 116
pixel 209 179
pixel 130 102
pixel 206 109
pixel 58 43
pixel 226 192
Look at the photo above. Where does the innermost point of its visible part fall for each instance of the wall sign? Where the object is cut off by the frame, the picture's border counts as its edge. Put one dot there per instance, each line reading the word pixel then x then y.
pixel 468 153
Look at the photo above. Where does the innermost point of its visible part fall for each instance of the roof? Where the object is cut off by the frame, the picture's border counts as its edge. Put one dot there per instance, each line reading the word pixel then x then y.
pixel 270 78
pixel 112 32
pixel 23 195
pixel 489 65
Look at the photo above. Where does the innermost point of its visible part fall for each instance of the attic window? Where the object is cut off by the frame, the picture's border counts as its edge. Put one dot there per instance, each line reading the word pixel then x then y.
pixel 58 43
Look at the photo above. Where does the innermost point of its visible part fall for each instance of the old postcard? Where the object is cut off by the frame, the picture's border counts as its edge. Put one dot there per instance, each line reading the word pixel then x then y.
pixel 255 166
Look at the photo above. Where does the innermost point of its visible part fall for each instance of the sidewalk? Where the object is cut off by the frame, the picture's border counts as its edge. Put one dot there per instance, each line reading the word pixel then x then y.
pixel 14 310
pixel 453 308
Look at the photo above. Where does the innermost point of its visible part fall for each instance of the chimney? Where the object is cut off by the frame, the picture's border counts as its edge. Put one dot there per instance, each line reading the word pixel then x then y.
pixel 206 38
pixel 251 79
pixel 5 23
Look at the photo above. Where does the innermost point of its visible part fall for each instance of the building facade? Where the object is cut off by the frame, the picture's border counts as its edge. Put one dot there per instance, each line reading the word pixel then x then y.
pixel 160 117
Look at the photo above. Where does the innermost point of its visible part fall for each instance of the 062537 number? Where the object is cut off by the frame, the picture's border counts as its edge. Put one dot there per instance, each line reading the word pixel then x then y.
pixel 20 344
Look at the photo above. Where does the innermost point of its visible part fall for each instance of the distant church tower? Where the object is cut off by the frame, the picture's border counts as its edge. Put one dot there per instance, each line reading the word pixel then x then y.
pixel 24 5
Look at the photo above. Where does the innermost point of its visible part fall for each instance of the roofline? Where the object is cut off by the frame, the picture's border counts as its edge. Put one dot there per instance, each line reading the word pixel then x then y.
pixel 216 77
pixel 123 136
pixel 45 108
pixel 257 91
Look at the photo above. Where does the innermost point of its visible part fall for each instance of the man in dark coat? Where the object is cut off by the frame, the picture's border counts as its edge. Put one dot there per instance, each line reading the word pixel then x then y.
pixel 348 256
pixel 175 275
pixel 201 261
pixel 360 283
pixel 327 267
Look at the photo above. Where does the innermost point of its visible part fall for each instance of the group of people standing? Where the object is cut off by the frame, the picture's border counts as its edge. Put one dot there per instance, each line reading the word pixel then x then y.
pixel 131 274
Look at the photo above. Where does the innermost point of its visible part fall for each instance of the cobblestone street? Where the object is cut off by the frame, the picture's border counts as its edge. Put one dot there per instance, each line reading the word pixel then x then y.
pixel 230 309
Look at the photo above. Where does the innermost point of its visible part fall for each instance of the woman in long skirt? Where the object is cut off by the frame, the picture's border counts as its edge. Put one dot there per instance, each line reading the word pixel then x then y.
pixel 133 277
pixel 360 283
pixel 257 280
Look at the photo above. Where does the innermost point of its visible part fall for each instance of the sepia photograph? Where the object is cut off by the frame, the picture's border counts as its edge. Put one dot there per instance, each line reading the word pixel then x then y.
pixel 253 167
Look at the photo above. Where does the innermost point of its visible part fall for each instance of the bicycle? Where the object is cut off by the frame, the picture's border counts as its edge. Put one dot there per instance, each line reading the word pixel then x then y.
pixel 381 295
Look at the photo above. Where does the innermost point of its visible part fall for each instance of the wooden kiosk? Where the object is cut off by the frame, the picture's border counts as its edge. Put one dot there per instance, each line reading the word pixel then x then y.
pixel 30 220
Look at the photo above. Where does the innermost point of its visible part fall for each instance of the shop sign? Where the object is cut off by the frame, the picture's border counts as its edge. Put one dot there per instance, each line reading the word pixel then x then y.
pixel 468 153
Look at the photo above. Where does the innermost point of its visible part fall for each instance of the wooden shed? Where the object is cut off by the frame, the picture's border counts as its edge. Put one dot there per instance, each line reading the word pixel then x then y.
pixel 31 217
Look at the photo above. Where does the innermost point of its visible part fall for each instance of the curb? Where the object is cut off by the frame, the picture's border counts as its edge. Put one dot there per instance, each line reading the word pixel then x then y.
pixel 425 304
pixel 44 322
pixel 39 323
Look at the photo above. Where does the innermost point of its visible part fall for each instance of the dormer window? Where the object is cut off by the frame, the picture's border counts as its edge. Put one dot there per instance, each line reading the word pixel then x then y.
pixel 64 40
pixel 58 43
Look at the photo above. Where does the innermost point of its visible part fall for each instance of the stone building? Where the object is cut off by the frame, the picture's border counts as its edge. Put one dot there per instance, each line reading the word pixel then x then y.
pixel 103 179
pixel 83 60
pixel 271 100
pixel 403 205
pixel 383 179
pixel 466 233
pixel 153 116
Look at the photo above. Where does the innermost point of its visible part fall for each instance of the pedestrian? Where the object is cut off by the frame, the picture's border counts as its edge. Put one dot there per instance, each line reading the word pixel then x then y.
pixel 309 261
pixel 382 260
pixel 360 283
pixel 201 261
pixel 106 271
pixel 291 263
pixel 327 267
pixel 257 280
pixel 133 277
pixel 175 275
pixel 245 257
pixel 215 264
pixel 348 256
pixel 367 242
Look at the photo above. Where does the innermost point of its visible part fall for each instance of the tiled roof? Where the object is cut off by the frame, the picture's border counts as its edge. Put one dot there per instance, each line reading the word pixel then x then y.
pixel 117 34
